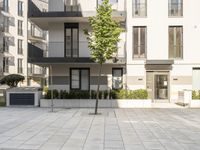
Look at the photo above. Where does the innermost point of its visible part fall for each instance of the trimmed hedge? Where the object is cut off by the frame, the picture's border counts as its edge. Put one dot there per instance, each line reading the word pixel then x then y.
pixel 112 94
pixel 195 94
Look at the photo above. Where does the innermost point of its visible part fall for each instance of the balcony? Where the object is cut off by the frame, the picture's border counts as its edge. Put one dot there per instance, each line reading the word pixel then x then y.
pixel 76 52
pixel 79 12
pixel 36 71
pixel 36 37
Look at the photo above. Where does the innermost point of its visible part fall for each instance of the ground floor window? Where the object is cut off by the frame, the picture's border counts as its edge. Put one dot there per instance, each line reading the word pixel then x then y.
pixel 117 78
pixel 196 79
pixel 79 78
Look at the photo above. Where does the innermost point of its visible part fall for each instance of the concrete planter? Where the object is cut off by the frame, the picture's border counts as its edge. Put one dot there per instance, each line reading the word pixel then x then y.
pixel 195 103
pixel 76 103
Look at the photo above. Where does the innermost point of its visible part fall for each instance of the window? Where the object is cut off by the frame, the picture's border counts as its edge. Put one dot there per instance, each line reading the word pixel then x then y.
pixel 20 8
pixel 176 42
pixel 196 79
pixel 139 8
pixel 20 68
pixel 20 30
pixel 117 78
pixel 71 40
pixel 20 47
pixel 79 79
pixel 175 7
pixel 139 42
pixel 6 24
pixel 5 6
pixel 71 5
pixel 6 64
pixel 5 44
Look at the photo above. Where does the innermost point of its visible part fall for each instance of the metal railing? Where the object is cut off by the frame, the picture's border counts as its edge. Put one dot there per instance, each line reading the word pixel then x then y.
pixel 36 71
pixel 77 49
pixel 40 35
pixel 175 9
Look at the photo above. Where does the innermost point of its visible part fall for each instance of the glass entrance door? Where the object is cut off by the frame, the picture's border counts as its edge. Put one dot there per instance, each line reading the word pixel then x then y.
pixel 161 87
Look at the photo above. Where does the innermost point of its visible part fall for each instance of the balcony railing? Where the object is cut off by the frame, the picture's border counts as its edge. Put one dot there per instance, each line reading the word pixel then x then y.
pixel 77 49
pixel 36 36
pixel 175 9
pixel 36 71
pixel 80 7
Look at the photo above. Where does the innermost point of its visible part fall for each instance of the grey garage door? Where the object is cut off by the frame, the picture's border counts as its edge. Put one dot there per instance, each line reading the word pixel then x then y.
pixel 21 99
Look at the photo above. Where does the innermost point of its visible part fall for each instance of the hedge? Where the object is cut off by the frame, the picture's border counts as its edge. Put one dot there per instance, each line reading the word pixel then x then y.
pixel 195 94
pixel 112 94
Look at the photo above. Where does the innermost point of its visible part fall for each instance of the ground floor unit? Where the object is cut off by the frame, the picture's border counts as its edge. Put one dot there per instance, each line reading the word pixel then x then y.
pixel 162 81
pixel 75 129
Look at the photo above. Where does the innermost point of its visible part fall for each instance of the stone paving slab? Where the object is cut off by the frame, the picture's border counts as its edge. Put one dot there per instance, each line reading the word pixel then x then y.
pixel 114 129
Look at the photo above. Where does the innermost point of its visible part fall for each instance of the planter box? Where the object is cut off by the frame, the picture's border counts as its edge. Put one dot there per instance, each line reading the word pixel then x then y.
pixel 195 103
pixel 76 103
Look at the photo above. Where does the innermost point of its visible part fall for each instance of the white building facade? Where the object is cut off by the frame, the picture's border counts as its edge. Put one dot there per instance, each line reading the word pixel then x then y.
pixel 16 36
pixel 159 50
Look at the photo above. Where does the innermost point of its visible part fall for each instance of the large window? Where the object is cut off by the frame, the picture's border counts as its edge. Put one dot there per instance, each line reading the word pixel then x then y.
pixel 71 5
pixel 6 64
pixel 20 8
pixel 20 47
pixel 20 29
pixel 5 6
pixel 176 42
pixel 139 42
pixel 19 67
pixel 79 79
pixel 176 8
pixel 117 78
pixel 139 8
pixel 71 40
pixel 6 24
pixel 5 44
pixel 196 79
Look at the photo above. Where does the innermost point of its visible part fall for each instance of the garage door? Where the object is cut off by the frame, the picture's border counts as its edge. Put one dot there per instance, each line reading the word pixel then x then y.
pixel 21 99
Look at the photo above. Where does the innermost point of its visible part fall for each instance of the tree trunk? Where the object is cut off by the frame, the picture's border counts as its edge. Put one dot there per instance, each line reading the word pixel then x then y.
pixel 52 88
pixel 98 86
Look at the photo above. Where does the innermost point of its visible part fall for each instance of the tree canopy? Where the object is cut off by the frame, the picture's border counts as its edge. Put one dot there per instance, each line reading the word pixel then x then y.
pixel 12 80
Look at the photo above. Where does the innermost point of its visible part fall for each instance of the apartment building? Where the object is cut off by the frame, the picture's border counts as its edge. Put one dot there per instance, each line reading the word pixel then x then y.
pixel 159 50
pixel 18 32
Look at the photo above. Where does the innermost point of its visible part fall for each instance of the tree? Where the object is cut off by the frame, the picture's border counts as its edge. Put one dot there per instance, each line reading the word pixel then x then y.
pixel 12 80
pixel 103 38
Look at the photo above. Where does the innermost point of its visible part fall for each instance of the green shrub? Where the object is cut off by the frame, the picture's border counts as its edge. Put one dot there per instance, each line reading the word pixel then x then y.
pixel 195 94
pixel 105 94
pixel 129 94
pixel 2 103
pixel 48 95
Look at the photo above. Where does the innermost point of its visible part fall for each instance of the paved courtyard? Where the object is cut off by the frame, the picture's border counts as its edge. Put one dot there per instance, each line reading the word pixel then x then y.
pixel 114 129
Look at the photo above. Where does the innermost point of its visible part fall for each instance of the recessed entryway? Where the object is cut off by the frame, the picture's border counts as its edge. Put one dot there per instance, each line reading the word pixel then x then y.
pixel 158 86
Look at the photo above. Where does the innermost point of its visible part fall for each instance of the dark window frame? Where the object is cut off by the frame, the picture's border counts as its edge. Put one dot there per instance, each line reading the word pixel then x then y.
pixel 71 26
pixel 113 69
pixel 6 6
pixel 177 58
pixel 6 64
pixel 20 49
pixel 20 27
pixel 20 65
pixel 139 15
pixel 20 8
pixel 169 8
pixel 133 43
pixel 79 69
